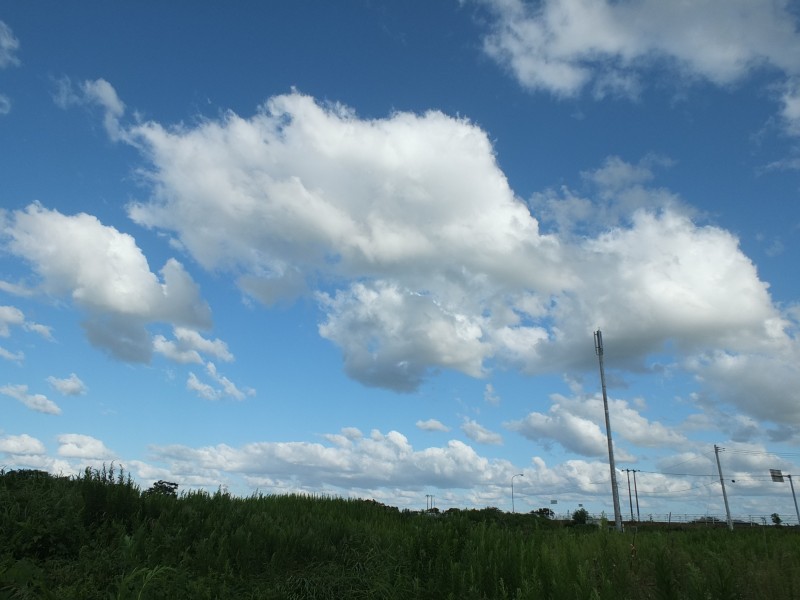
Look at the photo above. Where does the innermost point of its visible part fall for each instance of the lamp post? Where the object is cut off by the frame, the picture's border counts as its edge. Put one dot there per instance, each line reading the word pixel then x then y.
pixel 512 490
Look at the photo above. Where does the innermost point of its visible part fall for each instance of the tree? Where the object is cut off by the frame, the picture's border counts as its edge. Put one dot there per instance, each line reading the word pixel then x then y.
pixel 544 512
pixel 776 518
pixel 163 488
pixel 580 516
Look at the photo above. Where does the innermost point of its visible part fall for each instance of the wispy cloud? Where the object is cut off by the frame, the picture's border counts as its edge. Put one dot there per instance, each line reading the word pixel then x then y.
pixel 37 402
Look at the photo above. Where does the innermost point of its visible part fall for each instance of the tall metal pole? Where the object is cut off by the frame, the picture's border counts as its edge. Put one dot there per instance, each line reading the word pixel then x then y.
pixel 598 347
pixel 795 499
pixel 512 490
pixel 636 491
pixel 630 500
pixel 724 494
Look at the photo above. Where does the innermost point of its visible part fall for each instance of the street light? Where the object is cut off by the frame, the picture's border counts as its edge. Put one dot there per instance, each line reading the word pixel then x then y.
pixel 512 490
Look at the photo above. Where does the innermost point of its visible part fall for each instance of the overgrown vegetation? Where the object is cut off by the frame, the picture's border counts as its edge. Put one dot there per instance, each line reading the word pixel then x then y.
pixel 99 536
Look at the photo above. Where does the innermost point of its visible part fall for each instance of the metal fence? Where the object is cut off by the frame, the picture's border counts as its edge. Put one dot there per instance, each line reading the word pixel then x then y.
pixel 704 519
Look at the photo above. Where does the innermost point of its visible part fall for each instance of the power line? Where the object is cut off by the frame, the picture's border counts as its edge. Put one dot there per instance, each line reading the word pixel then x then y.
pixel 664 493
pixel 762 453
pixel 675 474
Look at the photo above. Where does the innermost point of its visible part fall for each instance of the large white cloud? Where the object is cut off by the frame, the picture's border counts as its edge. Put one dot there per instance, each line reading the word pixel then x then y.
pixel 105 273
pixel 564 46
pixel 314 187
pixel 409 218
pixel 421 256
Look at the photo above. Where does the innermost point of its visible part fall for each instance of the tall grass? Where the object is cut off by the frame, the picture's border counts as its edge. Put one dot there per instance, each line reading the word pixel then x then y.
pixel 98 536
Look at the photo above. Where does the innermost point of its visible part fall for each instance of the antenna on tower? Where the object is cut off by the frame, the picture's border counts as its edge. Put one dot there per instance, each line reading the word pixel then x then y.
pixel 598 348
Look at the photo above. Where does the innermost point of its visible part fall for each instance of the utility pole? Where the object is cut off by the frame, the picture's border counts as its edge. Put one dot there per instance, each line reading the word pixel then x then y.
pixel 630 500
pixel 598 347
pixel 722 482
pixel 795 499
pixel 636 491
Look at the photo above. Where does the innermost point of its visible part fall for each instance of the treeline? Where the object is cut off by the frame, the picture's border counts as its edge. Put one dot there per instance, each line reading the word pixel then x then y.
pixel 100 536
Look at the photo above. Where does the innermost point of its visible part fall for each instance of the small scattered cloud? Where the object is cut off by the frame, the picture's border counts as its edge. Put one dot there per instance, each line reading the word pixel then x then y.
pixel 43 330
pixel 10 315
pixel 225 387
pixel 790 106
pixel 37 402
pixel 187 346
pixel 9 45
pixel 71 386
pixel 12 356
pixel 93 93
pixel 203 390
pixel 490 395
pixel 15 288
pixel 478 433
pixel 432 425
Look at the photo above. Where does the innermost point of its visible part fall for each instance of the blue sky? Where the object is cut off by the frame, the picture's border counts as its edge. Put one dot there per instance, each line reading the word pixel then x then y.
pixel 361 248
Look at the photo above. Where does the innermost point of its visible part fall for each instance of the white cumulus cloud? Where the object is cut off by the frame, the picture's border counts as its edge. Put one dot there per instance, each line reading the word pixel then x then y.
pixel 21 444
pixel 563 46
pixel 419 254
pixel 105 273
pixel 76 445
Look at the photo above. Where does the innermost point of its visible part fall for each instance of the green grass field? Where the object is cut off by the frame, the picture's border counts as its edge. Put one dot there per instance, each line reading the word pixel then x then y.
pixel 100 536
